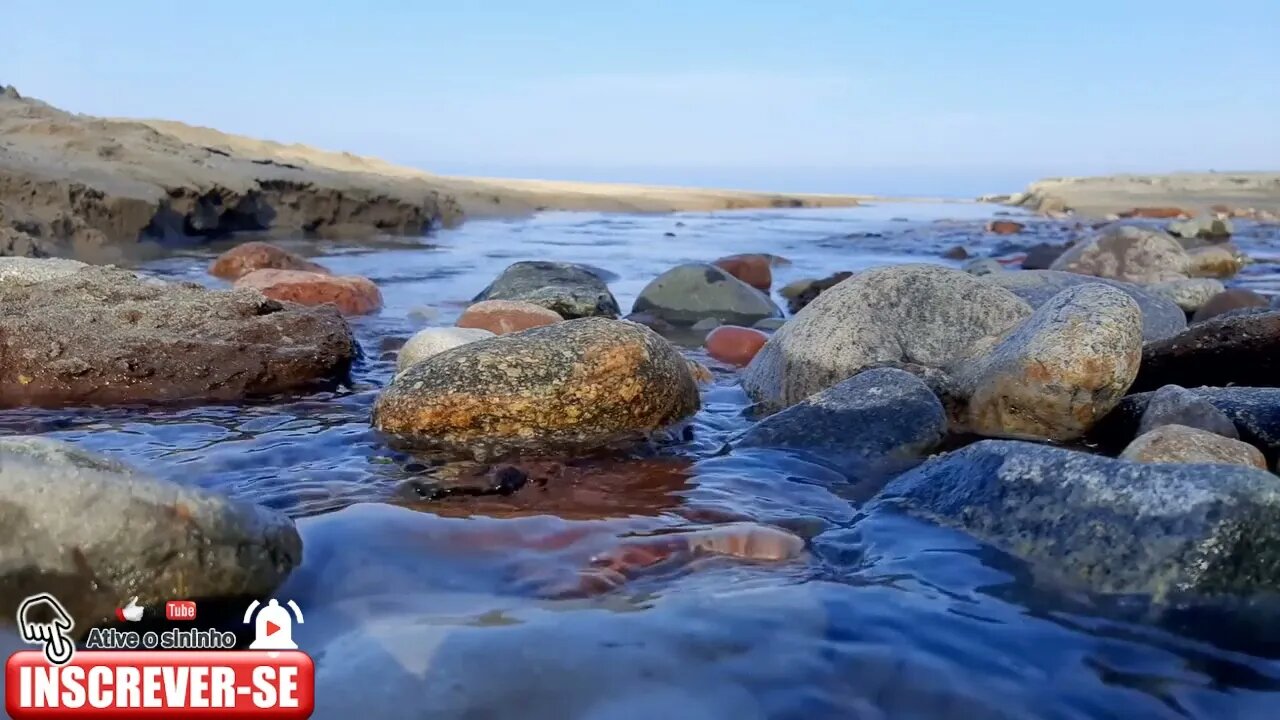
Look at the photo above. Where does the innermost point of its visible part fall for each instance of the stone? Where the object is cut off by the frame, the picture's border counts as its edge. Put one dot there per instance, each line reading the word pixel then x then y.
pixel 104 336
pixel 686 294
pixel 983 266
pixel 571 290
pixel 1216 261
pixel 1041 256
pixel 1174 405
pixel 1253 411
pixel 433 341
pixel 1128 253
pixel 1189 294
pixel 571 386
pixel 351 294
pixel 1156 213
pixel 956 253
pixel 1182 444
pixel 247 257
pixel 506 316
pixel 735 345
pixel 33 270
pixel 706 324
pixel 1005 227
pixel 754 270
pixel 15 243
pixel 1227 300
pixel 1105 525
pixel 802 292
pixel 769 324
pixel 1207 228
pixel 95 532
pixel 1060 371
pixel 1161 318
pixel 1221 351
pixel 701 373
pixel 923 314
pixel 875 422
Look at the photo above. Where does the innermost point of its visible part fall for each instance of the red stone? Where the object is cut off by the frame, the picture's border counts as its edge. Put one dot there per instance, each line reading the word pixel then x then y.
pixel 735 345
pixel 1158 213
pixel 754 270
pixel 1005 227
pixel 244 259
pixel 352 294
pixel 507 316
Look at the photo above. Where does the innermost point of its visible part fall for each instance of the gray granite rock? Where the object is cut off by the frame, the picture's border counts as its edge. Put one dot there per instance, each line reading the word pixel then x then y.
pixel 572 290
pixel 1175 405
pixel 1161 317
pixel 1254 411
pixel 982 266
pixel 1189 294
pixel 1128 253
pixel 689 294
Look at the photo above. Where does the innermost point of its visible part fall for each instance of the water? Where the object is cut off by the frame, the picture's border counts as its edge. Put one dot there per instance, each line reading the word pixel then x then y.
pixel 465 606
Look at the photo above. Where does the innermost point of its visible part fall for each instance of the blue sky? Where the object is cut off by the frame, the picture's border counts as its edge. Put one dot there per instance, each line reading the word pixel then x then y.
pixel 943 96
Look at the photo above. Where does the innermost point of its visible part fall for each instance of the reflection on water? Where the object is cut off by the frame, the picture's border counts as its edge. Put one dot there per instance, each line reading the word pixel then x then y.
pixel 618 586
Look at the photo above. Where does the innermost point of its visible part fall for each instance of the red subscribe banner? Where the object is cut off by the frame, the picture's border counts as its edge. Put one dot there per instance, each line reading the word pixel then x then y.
pixel 240 684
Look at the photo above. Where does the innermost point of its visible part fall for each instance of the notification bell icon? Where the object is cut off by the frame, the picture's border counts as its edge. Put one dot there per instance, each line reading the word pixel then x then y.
pixel 273 628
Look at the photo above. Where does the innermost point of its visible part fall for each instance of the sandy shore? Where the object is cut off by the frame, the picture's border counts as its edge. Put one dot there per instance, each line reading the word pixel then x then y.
pixel 1197 193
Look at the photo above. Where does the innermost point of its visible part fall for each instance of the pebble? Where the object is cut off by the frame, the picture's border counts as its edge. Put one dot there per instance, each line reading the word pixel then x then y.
pixel 735 345
pixel 506 316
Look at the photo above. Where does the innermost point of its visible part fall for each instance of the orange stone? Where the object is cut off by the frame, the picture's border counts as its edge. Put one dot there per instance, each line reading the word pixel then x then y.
pixel 753 270
pixel 1158 213
pixel 507 316
pixel 1004 227
pixel 352 294
pixel 244 259
pixel 735 345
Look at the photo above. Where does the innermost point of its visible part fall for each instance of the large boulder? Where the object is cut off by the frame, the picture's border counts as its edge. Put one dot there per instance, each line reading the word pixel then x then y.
pixel 1058 372
pixel 102 335
pixel 1128 253
pixel 1108 525
pixel 871 423
pixel 94 533
pixel 574 385
pixel 1182 444
pixel 921 314
pixel 1226 350
pixel 686 294
pixel 247 257
pixel 1161 317
pixel 573 291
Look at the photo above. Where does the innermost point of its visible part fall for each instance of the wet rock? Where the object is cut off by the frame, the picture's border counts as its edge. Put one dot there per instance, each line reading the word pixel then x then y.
pixel 1058 372
pixel 1227 300
pixel 875 422
pixel 1005 227
pixel 1253 411
pixel 1189 294
pixel 33 270
pixel 572 291
pixel 1182 444
pixel 802 292
pixel 706 324
pixel 1207 228
pixel 651 321
pixel 1161 318
pixel 1108 525
pixel 1221 351
pixel 956 253
pixel 769 324
pixel 245 258
pixel 686 294
pixel 1127 253
pixel 754 270
pixel 433 341
pixel 506 316
pixel 1217 261
pixel 701 373
pixel 94 532
pixel 924 314
pixel 574 385
pixel 1041 256
pixel 351 294
pixel 1174 405
pixel 103 336
pixel 735 345
pixel 983 266
pixel 1156 213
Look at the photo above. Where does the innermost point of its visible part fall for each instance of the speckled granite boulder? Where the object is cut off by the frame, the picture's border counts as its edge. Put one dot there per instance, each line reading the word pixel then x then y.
pixel 1128 253
pixel 573 291
pixel 687 294
pixel 1161 317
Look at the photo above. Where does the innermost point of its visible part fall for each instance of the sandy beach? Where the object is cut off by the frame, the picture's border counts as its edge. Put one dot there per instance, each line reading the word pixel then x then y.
pixel 1195 192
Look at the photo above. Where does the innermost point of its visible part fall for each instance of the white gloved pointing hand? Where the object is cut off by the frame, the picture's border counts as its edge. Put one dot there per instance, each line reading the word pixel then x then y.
pixel 133 611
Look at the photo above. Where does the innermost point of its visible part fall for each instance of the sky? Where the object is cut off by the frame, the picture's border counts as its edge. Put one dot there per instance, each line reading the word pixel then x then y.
pixel 953 97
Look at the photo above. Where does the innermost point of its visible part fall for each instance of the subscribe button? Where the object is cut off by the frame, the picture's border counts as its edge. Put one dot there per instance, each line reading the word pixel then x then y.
pixel 240 684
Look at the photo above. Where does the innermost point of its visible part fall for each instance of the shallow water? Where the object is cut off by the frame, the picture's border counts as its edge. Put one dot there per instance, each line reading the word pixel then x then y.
pixel 450 605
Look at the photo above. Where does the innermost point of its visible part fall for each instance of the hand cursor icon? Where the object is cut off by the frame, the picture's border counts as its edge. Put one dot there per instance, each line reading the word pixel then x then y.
pixel 131 612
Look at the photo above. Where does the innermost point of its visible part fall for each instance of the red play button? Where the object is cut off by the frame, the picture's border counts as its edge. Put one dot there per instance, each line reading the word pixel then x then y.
pixel 272 628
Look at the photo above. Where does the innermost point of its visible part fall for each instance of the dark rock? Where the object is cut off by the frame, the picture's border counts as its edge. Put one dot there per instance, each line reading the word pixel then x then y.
pixel 1254 411
pixel 572 290
pixel 872 423
pixel 983 266
pixel 1174 405
pixel 1041 256
pixel 689 293
pixel 806 294
pixel 956 253
pixel 94 532
pixel 1228 300
pixel 102 335
pixel 1217 352
pixel 1161 317
pixel 1108 525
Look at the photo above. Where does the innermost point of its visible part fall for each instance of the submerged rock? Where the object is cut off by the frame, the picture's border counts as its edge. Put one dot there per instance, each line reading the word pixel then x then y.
pixel 1060 371
pixel 754 270
pixel 506 316
pixel 1222 351
pixel 247 257
pixel 1109 525
pixel 982 266
pixel 689 293
pixel 1041 256
pixel 1216 261
pixel 103 336
pixel 351 294
pixel 1189 294
pixel 574 385
pixel 1227 301
pixel 922 314
pixel 94 532
pixel 572 291
pixel 1161 318
pixel 802 292
pixel 1005 227
pixel 1182 444
pixel 1127 253
pixel 735 345
pixel 874 422
pixel 1174 405
pixel 433 341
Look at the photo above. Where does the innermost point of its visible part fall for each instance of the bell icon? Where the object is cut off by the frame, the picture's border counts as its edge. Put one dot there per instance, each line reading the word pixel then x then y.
pixel 274 629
